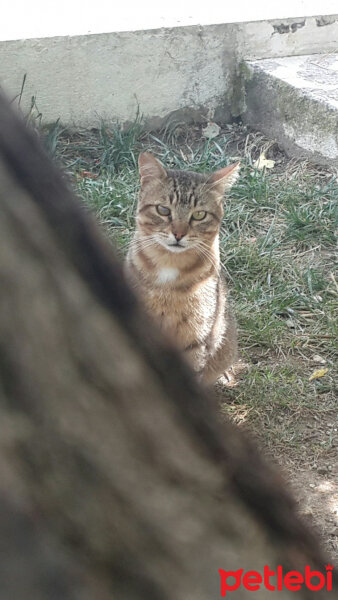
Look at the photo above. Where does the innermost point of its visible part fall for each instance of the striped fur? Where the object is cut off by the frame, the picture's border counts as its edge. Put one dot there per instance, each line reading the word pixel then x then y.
pixel 174 265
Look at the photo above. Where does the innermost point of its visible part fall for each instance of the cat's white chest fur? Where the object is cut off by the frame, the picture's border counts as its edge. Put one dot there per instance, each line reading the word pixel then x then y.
pixel 167 274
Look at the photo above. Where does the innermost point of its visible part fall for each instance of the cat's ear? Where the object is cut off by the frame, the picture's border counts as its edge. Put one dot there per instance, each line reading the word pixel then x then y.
pixel 222 181
pixel 150 169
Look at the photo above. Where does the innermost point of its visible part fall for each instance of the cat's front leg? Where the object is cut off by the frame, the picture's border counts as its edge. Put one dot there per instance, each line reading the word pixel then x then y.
pixel 196 355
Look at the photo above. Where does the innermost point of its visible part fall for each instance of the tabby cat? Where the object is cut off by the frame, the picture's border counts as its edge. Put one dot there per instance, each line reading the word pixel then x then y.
pixel 173 262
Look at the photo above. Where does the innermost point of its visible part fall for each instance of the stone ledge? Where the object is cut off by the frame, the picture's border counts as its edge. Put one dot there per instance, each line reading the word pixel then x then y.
pixel 295 101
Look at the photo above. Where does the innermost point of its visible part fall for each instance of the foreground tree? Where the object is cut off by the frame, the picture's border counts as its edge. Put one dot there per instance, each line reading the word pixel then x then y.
pixel 118 479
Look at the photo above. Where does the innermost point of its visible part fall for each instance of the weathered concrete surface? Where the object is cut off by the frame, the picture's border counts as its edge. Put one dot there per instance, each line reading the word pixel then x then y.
pixel 78 17
pixel 184 72
pixel 295 101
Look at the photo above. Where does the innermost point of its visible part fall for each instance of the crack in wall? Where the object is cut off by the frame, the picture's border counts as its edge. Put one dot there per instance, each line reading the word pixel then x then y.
pixel 323 21
pixel 282 28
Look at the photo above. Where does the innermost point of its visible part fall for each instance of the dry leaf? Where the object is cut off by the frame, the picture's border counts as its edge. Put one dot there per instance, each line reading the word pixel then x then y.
pixel 211 130
pixel 87 175
pixel 318 359
pixel 264 163
pixel 318 373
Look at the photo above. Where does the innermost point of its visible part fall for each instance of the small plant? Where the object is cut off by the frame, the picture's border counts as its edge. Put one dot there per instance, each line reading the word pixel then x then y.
pixel 119 145
pixel 312 222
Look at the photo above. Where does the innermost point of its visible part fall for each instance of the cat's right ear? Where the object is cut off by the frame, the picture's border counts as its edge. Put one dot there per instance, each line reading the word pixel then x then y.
pixel 223 180
pixel 150 169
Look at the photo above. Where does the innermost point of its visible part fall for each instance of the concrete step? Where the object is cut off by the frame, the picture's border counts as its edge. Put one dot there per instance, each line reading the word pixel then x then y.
pixel 294 100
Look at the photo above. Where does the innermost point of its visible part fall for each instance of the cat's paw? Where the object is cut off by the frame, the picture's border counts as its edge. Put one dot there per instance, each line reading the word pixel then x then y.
pixel 228 379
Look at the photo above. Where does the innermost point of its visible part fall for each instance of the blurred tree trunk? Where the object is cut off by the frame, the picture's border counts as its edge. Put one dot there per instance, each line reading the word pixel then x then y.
pixel 116 478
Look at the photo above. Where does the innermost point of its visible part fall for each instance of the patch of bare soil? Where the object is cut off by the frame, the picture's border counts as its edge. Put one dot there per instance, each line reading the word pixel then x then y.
pixel 317 493
pixel 313 477
pixel 311 469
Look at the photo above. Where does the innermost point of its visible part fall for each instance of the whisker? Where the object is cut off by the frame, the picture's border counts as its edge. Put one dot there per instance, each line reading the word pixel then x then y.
pixel 206 253
pixel 142 243
pixel 221 265
pixel 208 259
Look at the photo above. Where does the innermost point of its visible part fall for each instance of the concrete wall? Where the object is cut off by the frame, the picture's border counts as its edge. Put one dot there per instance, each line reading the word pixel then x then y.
pixel 295 100
pixel 190 72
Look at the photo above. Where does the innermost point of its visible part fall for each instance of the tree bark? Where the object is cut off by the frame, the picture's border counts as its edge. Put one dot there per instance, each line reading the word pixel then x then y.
pixel 118 478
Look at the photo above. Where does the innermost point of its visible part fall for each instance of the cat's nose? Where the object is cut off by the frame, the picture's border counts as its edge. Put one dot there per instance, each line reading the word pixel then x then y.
pixel 178 236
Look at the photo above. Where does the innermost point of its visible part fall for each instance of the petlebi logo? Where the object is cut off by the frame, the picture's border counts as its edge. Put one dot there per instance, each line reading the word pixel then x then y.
pixel 275 580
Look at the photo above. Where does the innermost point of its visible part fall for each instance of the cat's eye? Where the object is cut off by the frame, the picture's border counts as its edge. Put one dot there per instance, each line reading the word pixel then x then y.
pixel 163 210
pixel 198 215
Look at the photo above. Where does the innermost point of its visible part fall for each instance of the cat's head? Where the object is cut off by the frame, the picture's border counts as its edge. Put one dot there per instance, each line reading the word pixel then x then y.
pixel 181 210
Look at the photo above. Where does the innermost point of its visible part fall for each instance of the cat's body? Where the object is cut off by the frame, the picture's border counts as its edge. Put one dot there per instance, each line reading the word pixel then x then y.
pixel 173 263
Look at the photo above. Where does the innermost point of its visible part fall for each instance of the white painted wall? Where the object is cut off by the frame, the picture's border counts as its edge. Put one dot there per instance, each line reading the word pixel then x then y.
pixel 45 18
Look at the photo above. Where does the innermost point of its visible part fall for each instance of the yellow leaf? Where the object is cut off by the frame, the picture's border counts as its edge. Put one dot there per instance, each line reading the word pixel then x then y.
pixel 264 163
pixel 318 373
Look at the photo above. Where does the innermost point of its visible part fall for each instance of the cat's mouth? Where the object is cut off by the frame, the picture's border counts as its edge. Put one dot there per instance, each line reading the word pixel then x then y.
pixel 174 245
pixel 177 247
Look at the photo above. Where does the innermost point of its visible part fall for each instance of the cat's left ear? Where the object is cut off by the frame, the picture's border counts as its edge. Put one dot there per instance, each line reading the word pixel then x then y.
pixel 222 181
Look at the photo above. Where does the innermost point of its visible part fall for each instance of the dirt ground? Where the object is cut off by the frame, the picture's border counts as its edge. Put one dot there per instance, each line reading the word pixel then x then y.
pixel 311 475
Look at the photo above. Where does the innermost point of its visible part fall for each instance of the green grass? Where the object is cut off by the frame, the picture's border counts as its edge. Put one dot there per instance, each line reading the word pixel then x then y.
pixel 277 247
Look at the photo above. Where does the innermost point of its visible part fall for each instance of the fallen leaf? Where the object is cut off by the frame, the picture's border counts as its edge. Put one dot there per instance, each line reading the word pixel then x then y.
pixel 88 175
pixel 318 359
pixel 318 373
pixel 211 130
pixel 264 163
